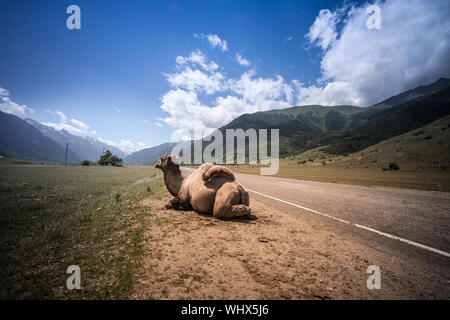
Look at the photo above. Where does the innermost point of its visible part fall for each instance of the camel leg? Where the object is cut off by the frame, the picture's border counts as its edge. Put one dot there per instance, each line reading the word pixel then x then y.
pixel 227 203
pixel 177 204
pixel 225 211
pixel 173 204
pixel 240 210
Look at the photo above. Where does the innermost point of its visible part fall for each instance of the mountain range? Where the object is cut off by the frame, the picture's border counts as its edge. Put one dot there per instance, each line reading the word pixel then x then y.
pixel 20 140
pixel 349 128
pixel 339 129
pixel 148 156
pixel 31 140
pixel 87 148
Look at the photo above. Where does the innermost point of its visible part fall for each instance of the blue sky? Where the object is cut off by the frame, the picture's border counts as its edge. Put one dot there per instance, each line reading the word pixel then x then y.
pixel 141 73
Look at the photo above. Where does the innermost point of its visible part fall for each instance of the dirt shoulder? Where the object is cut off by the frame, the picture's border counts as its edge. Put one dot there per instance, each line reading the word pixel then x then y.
pixel 274 256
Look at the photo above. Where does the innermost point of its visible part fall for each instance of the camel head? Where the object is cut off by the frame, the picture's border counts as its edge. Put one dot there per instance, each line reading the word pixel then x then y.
pixel 166 162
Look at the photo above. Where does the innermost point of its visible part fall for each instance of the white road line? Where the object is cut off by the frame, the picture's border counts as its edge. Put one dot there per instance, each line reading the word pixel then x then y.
pixel 384 234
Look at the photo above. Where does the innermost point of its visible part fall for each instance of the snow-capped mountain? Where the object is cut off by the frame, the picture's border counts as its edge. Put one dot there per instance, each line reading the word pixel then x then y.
pixel 87 148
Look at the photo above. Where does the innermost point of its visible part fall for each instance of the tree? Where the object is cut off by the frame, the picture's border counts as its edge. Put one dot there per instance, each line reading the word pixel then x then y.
pixel 85 163
pixel 108 159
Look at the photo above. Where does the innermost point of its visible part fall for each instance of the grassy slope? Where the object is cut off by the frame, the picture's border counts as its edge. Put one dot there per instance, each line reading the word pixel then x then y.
pixel 425 148
pixel 392 122
pixel 423 156
pixel 53 216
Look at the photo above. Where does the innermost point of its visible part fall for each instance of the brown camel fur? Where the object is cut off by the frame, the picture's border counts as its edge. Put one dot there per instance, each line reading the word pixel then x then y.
pixel 210 189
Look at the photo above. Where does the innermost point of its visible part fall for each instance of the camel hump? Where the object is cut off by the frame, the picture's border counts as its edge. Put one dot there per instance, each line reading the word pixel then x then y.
pixel 218 171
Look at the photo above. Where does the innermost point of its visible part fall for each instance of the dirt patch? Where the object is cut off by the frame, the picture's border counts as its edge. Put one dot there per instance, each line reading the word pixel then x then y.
pixel 273 256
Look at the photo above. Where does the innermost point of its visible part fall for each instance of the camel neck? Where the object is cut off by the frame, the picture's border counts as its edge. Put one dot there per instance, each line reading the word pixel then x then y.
pixel 173 180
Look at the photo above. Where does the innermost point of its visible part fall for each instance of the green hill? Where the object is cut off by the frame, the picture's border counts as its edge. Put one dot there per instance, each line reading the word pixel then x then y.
pixel 422 148
pixel 347 129
pixel 392 122
pixel 420 91
pixel 341 129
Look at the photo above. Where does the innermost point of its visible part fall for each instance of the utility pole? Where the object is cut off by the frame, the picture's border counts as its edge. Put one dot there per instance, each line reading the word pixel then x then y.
pixel 67 150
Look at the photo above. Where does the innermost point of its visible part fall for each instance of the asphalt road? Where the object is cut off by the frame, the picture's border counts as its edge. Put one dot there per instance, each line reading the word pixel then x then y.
pixel 417 216
pixel 407 225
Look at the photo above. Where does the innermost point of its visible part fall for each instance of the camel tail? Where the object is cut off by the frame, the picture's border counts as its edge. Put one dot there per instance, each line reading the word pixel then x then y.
pixel 218 171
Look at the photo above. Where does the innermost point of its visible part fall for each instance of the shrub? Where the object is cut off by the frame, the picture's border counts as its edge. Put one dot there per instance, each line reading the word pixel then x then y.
pixel 85 163
pixel 393 166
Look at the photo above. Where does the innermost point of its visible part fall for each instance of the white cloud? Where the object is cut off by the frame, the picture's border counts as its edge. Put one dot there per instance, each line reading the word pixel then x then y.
pixel 158 124
pixel 361 66
pixel 11 107
pixel 238 96
pixel 323 31
pixel 199 58
pixel 290 38
pixel 214 40
pixel 261 91
pixel 75 126
pixel 61 115
pixel 196 80
pixel 4 92
pixel 65 126
pixel 241 60
pixel 142 145
pixel 79 124
pixel 118 110
pixel 196 73
pixel 125 145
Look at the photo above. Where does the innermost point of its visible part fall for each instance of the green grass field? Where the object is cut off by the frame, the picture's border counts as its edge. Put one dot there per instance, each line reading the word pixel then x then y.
pixel 54 216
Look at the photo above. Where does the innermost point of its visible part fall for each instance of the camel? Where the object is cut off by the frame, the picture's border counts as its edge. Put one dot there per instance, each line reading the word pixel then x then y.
pixel 210 189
